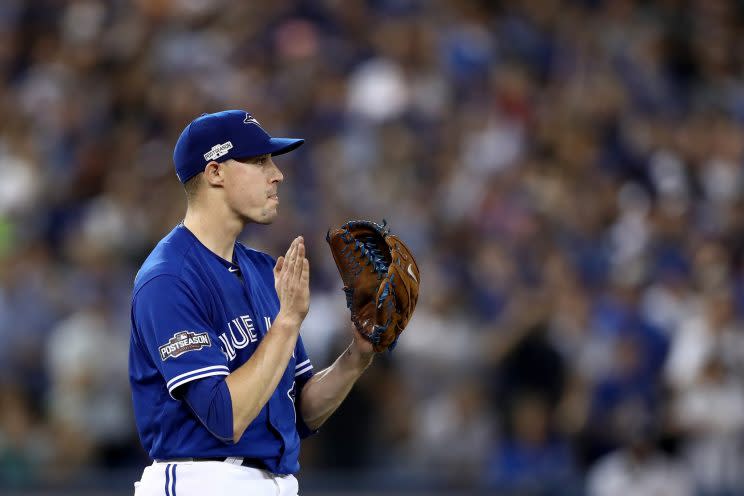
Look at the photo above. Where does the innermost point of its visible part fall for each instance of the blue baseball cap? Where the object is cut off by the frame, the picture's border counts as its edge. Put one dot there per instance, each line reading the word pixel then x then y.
pixel 222 136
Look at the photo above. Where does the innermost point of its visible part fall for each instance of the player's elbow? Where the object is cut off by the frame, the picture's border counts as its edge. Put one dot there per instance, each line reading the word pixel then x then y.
pixel 237 434
pixel 241 421
pixel 209 400
pixel 313 423
pixel 238 430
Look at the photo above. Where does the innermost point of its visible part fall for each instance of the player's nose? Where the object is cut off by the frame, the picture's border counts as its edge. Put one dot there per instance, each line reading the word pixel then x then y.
pixel 276 175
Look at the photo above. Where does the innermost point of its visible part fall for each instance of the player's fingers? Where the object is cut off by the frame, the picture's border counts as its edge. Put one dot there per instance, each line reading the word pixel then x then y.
pixel 300 248
pixel 299 252
pixel 291 253
pixel 300 257
pixel 295 246
pixel 290 249
pixel 291 258
pixel 305 276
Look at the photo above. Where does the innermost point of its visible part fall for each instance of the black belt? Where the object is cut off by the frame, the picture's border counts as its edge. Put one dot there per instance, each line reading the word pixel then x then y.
pixel 245 462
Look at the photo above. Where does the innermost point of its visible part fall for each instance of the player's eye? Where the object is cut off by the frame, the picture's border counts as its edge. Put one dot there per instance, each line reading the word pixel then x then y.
pixel 261 160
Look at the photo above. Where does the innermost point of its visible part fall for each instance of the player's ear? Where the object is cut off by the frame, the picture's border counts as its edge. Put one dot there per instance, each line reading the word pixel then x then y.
pixel 214 173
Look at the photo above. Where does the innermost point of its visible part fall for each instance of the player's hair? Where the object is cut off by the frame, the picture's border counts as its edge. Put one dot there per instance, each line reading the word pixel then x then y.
pixel 192 186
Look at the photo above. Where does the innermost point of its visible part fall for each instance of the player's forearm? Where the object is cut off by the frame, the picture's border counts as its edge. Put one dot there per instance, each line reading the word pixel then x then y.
pixel 254 382
pixel 326 390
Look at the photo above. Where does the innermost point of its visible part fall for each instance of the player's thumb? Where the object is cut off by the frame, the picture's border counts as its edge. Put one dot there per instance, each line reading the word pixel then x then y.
pixel 279 265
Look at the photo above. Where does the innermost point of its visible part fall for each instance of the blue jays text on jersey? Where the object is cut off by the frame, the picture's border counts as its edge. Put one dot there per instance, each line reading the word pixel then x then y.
pixel 193 317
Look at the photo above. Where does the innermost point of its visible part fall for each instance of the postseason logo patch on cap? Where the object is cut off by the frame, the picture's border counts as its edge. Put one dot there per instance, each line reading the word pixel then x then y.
pixel 217 151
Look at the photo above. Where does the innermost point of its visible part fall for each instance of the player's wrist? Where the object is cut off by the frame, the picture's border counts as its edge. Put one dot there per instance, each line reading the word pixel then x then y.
pixel 360 354
pixel 288 321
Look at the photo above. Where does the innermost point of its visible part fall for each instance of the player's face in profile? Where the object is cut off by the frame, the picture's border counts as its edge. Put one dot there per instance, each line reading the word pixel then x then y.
pixel 252 186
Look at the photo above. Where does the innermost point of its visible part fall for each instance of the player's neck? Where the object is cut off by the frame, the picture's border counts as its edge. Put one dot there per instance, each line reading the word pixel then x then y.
pixel 219 237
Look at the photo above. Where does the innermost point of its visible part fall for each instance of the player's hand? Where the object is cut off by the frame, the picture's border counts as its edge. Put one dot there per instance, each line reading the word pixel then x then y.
pixel 292 282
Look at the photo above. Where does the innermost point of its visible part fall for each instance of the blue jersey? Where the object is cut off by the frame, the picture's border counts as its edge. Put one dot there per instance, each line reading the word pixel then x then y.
pixel 196 315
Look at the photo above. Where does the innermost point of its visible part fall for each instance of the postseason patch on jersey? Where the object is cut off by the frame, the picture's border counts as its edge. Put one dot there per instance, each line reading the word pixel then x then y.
pixel 183 342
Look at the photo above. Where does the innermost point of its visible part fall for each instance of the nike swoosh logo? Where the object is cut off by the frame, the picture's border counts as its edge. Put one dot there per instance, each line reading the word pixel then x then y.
pixel 233 269
pixel 410 272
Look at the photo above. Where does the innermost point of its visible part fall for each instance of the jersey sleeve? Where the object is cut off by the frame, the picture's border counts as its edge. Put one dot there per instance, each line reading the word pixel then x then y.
pixel 303 367
pixel 176 331
pixel 303 373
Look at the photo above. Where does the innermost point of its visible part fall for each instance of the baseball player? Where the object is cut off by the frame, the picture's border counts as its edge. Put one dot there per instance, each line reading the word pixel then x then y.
pixel 222 387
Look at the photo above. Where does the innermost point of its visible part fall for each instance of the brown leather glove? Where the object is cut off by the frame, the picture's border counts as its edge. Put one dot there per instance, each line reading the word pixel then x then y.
pixel 381 279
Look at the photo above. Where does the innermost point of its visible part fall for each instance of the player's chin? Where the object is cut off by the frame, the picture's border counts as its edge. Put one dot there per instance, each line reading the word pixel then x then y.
pixel 267 216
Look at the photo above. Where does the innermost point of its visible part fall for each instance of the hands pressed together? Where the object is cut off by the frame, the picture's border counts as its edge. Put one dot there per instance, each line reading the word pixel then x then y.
pixel 292 282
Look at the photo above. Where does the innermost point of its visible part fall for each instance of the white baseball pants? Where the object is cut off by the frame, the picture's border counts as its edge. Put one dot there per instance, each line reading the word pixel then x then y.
pixel 206 478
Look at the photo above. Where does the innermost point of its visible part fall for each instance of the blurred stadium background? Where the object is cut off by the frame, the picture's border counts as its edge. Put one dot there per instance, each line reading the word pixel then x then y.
pixel 569 174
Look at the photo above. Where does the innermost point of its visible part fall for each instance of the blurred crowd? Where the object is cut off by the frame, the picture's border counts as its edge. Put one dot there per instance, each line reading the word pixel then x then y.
pixel 568 173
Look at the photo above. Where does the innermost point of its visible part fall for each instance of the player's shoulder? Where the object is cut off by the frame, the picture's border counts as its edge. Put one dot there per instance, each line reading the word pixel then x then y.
pixel 168 258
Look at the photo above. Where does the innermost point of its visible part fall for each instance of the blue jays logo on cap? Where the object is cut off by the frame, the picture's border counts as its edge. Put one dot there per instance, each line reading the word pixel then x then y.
pixel 221 136
pixel 249 119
